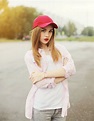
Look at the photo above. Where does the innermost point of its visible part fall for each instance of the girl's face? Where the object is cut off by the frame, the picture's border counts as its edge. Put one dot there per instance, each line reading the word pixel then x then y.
pixel 46 34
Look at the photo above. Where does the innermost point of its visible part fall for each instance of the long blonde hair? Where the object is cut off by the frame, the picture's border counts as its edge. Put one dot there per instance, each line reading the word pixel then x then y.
pixel 35 37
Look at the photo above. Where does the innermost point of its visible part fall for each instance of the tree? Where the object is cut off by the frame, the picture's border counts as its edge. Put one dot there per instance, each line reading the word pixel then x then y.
pixel 88 31
pixel 17 21
pixel 69 29
pixel 3 4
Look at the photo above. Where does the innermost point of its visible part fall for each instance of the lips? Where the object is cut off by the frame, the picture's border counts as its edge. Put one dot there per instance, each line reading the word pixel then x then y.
pixel 46 39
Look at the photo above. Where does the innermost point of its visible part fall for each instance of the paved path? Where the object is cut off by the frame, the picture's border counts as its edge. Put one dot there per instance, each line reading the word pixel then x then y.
pixel 15 85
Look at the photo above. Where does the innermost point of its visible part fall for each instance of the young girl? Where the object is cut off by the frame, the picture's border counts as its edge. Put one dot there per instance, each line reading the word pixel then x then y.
pixel 49 66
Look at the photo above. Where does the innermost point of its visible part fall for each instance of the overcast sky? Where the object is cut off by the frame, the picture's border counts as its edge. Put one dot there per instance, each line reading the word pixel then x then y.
pixel 81 11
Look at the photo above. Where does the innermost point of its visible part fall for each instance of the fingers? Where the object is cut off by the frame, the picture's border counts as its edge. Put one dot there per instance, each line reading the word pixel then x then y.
pixel 32 78
pixel 36 76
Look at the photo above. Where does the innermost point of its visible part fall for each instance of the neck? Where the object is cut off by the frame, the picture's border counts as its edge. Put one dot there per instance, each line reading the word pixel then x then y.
pixel 44 46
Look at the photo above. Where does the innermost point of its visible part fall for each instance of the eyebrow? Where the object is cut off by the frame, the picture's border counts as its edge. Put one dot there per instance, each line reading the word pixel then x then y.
pixel 45 29
pixel 42 28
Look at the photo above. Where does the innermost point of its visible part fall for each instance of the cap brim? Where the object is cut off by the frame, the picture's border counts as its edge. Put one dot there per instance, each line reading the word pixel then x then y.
pixel 50 23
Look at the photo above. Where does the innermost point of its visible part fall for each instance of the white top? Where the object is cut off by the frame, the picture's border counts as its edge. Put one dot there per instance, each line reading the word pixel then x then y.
pixel 45 94
pixel 49 98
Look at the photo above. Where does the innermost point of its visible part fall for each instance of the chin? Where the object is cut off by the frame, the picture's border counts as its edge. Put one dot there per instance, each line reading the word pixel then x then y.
pixel 45 42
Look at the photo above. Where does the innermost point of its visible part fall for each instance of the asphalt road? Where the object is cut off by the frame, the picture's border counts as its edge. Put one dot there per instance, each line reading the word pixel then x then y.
pixel 15 85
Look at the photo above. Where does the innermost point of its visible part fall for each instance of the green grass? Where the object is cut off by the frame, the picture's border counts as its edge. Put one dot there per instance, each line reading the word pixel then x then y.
pixel 87 39
pixel 80 39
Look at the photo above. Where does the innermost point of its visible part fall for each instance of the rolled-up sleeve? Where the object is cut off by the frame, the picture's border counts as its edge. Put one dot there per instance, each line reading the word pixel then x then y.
pixel 69 67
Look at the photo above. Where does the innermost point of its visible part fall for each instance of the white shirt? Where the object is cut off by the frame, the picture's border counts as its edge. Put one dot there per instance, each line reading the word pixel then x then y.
pixel 49 95
pixel 49 98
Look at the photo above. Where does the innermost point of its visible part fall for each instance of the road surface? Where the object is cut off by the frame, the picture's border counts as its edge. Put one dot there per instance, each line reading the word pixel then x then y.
pixel 15 85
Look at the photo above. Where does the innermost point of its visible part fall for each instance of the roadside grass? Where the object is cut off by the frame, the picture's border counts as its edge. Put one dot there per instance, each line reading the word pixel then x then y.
pixel 80 39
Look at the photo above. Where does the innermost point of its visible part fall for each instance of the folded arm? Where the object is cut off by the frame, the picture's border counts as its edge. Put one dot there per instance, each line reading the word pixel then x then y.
pixel 67 69
pixel 57 74
pixel 42 79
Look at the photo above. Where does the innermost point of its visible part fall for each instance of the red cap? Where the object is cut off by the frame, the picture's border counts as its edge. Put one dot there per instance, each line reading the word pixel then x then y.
pixel 43 21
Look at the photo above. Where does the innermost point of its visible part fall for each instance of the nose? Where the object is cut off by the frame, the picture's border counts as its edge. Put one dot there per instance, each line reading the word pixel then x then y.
pixel 47 34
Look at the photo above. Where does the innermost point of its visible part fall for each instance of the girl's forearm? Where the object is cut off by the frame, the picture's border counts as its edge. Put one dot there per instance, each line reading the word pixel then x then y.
pixel 59 79
pixel 55 73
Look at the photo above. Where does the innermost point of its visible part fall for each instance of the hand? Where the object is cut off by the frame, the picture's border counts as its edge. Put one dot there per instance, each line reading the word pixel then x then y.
pixel 36 76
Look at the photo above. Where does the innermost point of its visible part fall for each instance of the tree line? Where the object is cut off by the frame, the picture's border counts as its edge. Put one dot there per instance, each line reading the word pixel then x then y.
pixel 16 22
pixel 70 30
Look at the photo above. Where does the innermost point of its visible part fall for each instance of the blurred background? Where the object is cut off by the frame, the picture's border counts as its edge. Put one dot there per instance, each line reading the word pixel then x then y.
pixel 75 19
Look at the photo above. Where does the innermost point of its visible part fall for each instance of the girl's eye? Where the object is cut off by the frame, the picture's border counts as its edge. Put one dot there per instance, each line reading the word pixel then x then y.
pixel 42 30
pixel 51 31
